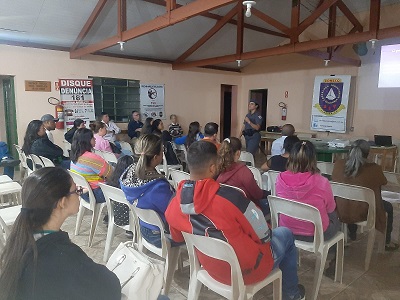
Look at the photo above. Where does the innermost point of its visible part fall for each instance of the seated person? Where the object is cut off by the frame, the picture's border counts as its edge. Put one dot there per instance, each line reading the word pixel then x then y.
pixel 36 142
pixel 143 183
pixel 213 210
pixel 303 183
pixel 174 129
pixel 158 130
pixel 357 171
pixel 210 133
pixel 277 145
pixel 236 173
pixel 78 123
pixel 6 161
pixel 193 135
pixel 147 129
pixel 112 129
pixel 88 164
pixel 279 162
pixel 39 260
pixel 100 130
pixel 135 126
pixel 49 123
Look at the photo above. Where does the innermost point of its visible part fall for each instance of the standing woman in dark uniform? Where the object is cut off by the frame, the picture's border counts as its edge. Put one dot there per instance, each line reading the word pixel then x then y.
pixel 251 127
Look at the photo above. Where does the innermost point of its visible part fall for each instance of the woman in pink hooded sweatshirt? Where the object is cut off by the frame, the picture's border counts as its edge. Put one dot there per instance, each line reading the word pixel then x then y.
pixel 236 173
pixel 302 182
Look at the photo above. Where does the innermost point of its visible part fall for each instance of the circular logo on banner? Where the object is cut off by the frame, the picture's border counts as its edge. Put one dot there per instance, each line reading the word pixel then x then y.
pixel 152 93
pixel 330 97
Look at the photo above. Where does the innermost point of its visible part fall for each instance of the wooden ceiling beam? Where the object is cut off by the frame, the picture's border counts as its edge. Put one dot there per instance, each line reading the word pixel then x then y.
pixel 331 27
pixel 89 23
pixel 374 15
pixel 239 29
pixel 208 35
pixel 294 21
pixel 296 48
pixel 340 47
pixel 178 15
pixel 121 17
pixel 170 5
pixel 271 21
pixel 233 22
pixel 349 15
pixel 315 15
pixel 336 57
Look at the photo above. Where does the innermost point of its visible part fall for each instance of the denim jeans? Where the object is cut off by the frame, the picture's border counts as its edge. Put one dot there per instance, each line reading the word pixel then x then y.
pixel 284 253
pixel 98 194
pixel 154 237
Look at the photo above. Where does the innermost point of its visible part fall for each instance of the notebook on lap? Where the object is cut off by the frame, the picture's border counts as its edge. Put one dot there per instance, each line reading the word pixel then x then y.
pixel 383 140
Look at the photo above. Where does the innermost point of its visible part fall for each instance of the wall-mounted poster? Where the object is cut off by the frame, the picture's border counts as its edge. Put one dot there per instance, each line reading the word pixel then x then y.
pixel 76 96
pixel 330 103
pixel 152 101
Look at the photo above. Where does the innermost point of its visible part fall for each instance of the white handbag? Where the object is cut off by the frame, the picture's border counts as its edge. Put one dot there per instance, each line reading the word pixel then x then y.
pixel 141 276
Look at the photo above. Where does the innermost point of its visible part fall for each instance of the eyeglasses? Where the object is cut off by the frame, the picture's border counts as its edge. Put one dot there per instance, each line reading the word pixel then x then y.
pixel 78 191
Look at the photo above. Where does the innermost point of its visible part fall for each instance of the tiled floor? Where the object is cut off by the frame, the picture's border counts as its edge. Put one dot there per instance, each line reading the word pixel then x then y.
pixel 381 281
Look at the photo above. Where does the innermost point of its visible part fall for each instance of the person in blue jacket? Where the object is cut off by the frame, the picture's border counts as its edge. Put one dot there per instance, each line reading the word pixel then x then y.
pixel 143 183
pixel 193 135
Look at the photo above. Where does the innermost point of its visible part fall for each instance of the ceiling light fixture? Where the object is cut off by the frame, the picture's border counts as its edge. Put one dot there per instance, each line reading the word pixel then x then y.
pixel 326 62
pixel 373 42
pixel 249 4
pixel 121 45
pixel 238 62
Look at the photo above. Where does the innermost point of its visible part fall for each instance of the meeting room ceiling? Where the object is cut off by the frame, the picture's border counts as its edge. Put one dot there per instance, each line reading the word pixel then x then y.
pixel 59 24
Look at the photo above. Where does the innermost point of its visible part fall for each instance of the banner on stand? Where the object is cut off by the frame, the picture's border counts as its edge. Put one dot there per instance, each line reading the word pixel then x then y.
pixel 330 103
pixel 76 97
pixel 152 101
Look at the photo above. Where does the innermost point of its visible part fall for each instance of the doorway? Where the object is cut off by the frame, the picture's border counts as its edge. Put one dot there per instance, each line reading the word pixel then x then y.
pixel 228 106
pixel 8 119
pixel 261 96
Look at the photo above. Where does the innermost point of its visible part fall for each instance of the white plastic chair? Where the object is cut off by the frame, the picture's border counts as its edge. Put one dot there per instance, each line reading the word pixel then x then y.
pixel 392 178
pixel 221 250
pixel 109 157
pixel 112 195
pixel 98 152
pixel 36 161
pixel 272 176
pixel 96 208
pixel 4 233
pixel 183 149
pixel 5 179
pixel 325 167
pixel 177 176
pixel 126 147
pixel 23 159
pixel 166 169
pixel 10 214
pixel 46 162
pixel 67 148
pixel 170 254
pixel 257 176
pixel 247 157
pixel 12 189
pixel 320 247
pixel 358 193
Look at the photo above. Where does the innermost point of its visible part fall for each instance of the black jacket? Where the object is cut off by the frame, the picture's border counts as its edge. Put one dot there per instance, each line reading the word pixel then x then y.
pixel 44 147
pixel 70 134
pixel 65 272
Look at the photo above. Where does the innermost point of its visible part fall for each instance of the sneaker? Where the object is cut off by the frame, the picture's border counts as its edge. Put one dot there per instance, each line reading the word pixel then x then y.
pixel 105 220
pixel 300 296
pixel 9 162
pixel 391 246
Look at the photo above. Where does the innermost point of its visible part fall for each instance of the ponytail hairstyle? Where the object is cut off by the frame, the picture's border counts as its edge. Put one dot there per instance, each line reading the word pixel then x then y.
pixel 31 135
pixel 303 158
pixel 194 129
pixel 40 194
pixel 81 143
pixel 96 126
pixel 357 158
pixel 226 153
pixel 146 147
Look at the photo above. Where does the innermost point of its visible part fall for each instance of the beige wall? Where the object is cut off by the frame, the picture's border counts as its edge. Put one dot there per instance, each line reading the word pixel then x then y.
pixel 192 95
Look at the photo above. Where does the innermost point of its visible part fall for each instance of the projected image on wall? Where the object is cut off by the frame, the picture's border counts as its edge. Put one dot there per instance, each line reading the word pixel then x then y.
pixel 389 70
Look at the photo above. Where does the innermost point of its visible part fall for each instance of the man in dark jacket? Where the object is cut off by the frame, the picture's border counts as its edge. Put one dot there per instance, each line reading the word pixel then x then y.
pixel 44 147
pixel 203 207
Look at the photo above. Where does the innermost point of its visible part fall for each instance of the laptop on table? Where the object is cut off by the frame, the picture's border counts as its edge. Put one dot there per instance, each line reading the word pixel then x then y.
pixel 383 140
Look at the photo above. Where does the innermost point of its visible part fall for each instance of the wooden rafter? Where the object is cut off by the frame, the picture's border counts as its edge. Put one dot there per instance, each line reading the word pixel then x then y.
pixel 239 29
pixel 297 47
pixel 271 21
pixel 89 23
pixel 178 15
pixel 294 20
pixel 208 35
pixel 121 17
pixel 349 15
pixel 233 22
pixel 336 57
pixel 374 15
pixel 331 27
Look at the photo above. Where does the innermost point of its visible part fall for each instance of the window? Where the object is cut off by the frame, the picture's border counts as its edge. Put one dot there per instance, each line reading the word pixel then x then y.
pixel 117 97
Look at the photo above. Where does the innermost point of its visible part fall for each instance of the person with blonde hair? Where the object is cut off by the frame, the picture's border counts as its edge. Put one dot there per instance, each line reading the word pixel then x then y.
pixel 235 173
pixel 39 260
pixel 303 183
pixel 143 183
pixel 357 171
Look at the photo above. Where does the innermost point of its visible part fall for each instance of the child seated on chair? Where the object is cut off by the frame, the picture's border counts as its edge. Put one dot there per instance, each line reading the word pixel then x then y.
pixel 174 129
